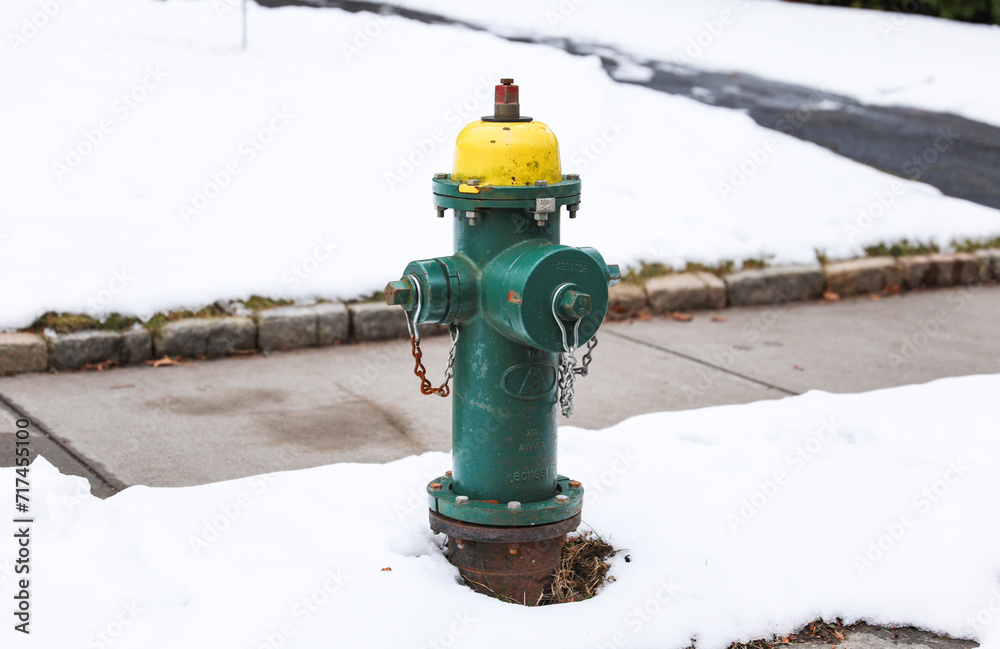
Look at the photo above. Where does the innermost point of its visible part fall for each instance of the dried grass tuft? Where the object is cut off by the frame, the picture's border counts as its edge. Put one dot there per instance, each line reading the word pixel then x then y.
pixel 582 571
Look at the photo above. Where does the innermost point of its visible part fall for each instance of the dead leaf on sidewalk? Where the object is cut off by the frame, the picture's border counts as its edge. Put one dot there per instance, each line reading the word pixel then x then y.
pixel 831 296
pixel 875 296
pixel 387 569
pixel 100 367
pixel 681 317
pixel 166 361
pixel 799 368
pixel 718 318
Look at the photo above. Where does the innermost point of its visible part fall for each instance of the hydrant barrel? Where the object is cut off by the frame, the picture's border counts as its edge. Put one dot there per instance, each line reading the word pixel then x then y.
pixel 502 447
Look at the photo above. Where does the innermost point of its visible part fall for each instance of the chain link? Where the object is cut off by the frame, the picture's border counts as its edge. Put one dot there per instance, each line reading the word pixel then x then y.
pixel 582 371
pixel 449 370
pixel 567 360
pixel 567 376
pixel 426 387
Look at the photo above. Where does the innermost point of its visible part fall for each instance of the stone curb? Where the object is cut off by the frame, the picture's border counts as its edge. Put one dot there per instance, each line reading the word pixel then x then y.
pixel 682 291
pixel 295 327
pixel 626 299
pixel 772 285
pixel 282 328
pixel 298 327
pixel 860 276
pixel 72 351
pixel 371 321
pixel 989 263
pixel 22 352
pixel 206 337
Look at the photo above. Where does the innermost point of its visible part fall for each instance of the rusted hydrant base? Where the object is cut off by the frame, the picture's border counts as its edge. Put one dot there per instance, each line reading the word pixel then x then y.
pixel 515 564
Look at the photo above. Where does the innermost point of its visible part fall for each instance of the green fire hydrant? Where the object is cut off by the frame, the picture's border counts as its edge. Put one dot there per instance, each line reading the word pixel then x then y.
pixel 519 305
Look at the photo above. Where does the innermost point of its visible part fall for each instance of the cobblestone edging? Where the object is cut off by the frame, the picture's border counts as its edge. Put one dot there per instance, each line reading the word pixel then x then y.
pixel 298 327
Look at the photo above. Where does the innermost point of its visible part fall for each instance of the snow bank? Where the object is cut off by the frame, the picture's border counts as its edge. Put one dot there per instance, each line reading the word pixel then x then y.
pixel 151 165
pixel 739 522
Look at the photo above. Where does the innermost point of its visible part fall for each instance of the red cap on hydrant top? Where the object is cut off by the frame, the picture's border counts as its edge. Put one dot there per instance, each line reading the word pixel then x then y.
pixel 506 92
pixel 506 106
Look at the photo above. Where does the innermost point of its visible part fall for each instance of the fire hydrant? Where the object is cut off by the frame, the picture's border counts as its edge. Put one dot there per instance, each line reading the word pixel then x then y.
pixel 519 305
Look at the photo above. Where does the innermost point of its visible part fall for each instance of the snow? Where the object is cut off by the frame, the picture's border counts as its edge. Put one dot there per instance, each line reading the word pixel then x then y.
pixel 877 57
pixel 151 165
pixel 739 521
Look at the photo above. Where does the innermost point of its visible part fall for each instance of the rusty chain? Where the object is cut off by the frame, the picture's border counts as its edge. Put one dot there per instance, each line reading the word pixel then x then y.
pixel 426 387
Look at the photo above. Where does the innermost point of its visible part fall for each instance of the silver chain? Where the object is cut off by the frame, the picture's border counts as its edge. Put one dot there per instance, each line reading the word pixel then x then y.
pixel 449 371
pixel 567 376
pixel 582 371
pixel 567 360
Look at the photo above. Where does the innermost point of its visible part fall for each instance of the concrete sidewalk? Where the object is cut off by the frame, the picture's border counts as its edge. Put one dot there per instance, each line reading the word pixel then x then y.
pixel 223 419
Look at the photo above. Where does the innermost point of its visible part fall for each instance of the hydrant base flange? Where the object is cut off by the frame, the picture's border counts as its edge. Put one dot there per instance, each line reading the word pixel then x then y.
pixel 516 564
pixel 567 503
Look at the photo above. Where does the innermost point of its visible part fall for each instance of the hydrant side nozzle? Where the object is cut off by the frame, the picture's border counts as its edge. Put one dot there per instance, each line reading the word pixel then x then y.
pixel 399 293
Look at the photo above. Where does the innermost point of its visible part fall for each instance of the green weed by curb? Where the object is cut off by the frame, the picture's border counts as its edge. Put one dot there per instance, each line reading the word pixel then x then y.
pixel 68 323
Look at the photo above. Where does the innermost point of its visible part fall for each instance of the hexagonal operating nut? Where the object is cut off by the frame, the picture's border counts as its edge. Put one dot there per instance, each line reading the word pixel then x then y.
pixel 399 292
pixel 573 304
pixel 614 275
